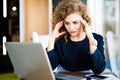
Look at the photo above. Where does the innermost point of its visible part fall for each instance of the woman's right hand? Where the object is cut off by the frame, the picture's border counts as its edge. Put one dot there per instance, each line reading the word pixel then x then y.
pixel 56 33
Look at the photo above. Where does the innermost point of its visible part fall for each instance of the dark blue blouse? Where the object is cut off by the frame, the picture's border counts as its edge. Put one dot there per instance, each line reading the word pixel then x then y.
pixel 75 56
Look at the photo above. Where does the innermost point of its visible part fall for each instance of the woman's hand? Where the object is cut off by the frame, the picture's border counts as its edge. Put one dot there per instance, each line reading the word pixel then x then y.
pixel 92 41
pixel 56 32
pixel 87 29
pixel 55 35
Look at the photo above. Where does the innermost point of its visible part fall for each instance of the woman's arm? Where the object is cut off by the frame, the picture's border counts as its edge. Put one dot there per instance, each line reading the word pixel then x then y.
pixel 52 52
pixel 53 57
pixel 96 50
pixel 98 58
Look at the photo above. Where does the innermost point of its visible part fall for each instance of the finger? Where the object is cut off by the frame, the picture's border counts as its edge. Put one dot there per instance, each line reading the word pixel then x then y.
pixel 83 21
pixel 62 33
pixel 59 24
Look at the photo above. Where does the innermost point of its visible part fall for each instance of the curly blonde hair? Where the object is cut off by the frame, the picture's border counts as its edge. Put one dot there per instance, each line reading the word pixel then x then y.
pixel 66 7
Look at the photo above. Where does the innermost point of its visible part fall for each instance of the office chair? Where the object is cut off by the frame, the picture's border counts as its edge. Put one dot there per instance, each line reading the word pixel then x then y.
pixel 113 44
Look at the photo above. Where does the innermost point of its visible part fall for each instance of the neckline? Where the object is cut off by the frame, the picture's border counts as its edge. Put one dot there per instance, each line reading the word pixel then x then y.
pixel 79 40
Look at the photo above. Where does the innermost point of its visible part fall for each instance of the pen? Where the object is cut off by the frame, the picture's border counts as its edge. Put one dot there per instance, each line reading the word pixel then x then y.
pixel 88 78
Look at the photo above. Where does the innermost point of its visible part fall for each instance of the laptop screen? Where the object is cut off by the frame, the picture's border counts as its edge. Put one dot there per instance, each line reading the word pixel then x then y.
pixel 29 60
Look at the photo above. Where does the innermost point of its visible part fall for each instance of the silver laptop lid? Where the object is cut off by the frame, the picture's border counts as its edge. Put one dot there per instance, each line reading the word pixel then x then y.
pixel 29 61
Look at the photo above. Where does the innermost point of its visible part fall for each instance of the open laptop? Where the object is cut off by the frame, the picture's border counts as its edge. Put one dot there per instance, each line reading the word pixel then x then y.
pixel 31 62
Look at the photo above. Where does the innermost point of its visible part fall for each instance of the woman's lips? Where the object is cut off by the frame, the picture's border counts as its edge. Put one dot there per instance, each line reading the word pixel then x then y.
pixel 72 32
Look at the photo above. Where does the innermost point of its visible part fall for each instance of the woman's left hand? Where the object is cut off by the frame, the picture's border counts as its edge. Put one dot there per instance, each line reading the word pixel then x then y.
pixel 87 29
pixel 92 41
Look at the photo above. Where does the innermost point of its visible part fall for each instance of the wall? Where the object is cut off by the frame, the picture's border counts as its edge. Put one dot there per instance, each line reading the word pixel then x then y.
pixel 34 18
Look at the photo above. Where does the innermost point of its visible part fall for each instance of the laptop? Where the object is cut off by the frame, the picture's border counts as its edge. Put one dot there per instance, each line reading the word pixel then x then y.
pixel 30 62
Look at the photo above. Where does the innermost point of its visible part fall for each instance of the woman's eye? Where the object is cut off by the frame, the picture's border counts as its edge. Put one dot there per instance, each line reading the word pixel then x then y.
pixel 66 23
pixel 75 22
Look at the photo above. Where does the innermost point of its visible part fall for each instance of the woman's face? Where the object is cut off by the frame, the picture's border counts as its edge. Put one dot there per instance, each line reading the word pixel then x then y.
pixel 73 25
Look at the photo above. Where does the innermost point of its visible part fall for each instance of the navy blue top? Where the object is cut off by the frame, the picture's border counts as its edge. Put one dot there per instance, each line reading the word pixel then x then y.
pixel 75 56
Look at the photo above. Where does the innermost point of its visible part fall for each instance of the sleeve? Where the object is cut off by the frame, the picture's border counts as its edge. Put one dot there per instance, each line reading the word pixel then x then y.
pixel 53 57
pixel 98 58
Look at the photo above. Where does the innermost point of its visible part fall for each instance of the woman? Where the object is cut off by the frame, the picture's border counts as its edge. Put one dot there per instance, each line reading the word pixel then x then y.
pixel 72 43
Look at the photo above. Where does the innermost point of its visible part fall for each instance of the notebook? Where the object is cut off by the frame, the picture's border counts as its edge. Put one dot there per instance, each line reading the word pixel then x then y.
pixel 30 62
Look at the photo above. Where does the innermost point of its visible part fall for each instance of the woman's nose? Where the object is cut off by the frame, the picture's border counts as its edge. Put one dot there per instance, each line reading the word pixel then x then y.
pixel 71 26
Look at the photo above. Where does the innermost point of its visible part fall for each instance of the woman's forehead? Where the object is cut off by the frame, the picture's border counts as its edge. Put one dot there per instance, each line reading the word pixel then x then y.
pixel 72 17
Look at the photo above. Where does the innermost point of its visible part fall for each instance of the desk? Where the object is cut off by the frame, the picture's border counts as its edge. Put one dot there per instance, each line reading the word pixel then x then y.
pixel 12 76
pixel 110 75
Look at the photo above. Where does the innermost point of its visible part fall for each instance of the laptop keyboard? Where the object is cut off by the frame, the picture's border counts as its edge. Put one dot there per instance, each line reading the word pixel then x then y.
pixel 58 79
pixel 60 76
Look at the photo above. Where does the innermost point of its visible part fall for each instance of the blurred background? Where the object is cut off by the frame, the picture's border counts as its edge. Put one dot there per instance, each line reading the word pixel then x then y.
pixel 20 18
